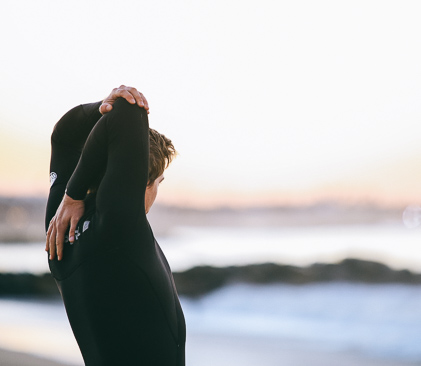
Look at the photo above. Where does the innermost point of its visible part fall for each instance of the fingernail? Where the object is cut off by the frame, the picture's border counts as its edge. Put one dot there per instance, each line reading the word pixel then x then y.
pixel 72 239
pixel 51 257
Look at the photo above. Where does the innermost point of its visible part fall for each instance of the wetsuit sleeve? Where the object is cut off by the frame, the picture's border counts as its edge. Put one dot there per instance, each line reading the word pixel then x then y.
pixel 67 141
pixel 121 139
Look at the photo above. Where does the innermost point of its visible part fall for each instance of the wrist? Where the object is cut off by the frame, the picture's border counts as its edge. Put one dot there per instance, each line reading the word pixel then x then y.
pixel 69 199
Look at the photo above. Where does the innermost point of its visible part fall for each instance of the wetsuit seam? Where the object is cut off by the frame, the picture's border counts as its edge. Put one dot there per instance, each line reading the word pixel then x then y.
pixel 160 303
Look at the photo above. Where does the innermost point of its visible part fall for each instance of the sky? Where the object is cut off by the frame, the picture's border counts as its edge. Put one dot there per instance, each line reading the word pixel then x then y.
pixel 267 102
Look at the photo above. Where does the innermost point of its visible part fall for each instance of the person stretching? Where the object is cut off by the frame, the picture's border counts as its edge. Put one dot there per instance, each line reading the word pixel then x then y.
pixel 115 282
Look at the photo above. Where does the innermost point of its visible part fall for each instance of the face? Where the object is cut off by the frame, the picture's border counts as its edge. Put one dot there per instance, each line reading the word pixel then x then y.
pixel 151 192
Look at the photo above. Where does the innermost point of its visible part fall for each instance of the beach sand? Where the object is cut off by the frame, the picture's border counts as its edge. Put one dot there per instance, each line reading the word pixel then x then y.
pixel 211 350
pixel 10 358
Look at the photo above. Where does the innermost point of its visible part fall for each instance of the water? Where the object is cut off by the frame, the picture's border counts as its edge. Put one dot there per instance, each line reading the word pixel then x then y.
pixel 393 245
pixel 378 321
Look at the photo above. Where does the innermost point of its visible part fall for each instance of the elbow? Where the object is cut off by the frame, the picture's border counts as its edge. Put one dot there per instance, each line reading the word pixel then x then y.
pixel 54 135
pixel 129 111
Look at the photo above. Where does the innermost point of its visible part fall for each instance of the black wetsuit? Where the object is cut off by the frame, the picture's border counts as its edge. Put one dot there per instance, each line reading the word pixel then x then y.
pixel 115 282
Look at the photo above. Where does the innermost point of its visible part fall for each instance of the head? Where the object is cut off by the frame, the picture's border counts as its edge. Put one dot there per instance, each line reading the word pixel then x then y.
pixel 161 153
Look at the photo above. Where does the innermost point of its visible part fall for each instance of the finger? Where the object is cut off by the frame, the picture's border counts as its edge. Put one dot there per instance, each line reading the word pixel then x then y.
pixel 112 95
pixel 73 224
pixel 50 235
pixel 145 102
pixel 105 108
pixel 52 244
pixel 128 96
pixel 47 239
pixel 61 231
pixel 141 101
pixel 138 97
pixel 59 247
pixel 47 242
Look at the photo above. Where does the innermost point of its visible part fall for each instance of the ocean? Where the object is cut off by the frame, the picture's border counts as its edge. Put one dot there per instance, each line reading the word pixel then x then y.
pixel 186 247
pixel 380 322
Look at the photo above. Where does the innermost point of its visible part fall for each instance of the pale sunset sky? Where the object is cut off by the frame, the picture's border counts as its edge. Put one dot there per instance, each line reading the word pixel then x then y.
pixel 267 102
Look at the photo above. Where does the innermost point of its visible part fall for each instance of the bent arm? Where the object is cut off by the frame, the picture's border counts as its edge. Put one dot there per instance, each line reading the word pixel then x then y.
pixel 67 141
pixel 120 143
pixel 72 130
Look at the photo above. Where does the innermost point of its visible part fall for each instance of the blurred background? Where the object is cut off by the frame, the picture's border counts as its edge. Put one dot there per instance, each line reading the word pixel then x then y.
pixel 297 124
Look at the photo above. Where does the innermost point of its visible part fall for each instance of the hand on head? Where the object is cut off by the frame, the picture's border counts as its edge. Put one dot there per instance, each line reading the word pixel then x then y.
pixel 126 92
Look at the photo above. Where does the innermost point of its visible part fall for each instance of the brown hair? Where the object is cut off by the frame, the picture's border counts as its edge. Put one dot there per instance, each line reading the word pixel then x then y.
pixel 161 154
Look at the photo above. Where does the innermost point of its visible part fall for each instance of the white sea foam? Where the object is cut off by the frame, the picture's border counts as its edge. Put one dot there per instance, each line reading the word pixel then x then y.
pixel 186 247
pixel 393 245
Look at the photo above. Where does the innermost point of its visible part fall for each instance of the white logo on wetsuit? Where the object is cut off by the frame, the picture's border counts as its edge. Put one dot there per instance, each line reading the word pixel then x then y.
pixel 85 226
pixel 77 234
pixel 53 177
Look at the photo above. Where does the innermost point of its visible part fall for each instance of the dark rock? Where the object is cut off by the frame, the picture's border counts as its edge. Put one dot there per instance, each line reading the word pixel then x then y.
pixel 26 284
pixel 198 281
